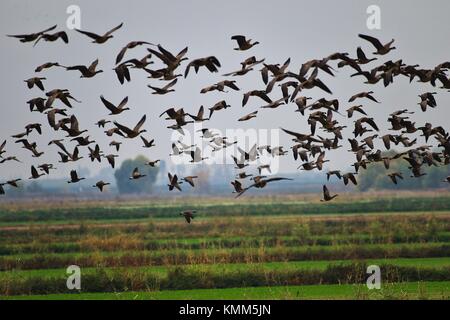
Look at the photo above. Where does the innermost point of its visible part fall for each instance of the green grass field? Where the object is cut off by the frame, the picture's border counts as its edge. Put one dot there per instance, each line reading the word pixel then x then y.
pixel 407 290
pixel 297 250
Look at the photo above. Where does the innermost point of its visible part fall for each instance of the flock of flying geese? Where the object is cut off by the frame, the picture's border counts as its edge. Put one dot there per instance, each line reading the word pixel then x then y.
pixel 308 147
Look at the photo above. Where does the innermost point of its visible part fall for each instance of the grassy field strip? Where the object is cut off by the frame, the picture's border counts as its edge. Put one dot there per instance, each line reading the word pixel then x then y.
pixel 106 223
pixel 143 243
pixel 405 290
pixel 268 266
pixel 212 251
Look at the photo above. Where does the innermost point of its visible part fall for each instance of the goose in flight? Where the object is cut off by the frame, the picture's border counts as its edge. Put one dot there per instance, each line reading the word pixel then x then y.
pixel 393 176
pixel 100 185
pixel 199 117
pixel 381 49
pixel 218 106
pixel 73 130
pixel 188 215
pixel 35 81
pixel 326 194
pixel 248 116
pixel 243 43
pixel 101 123
pixel 255 93
pixel 86 72
pixel 196 155
pixel 111 159
pixel 153 163
pixel 136 174
pixel 35 174
pixel 130 45
pixel 261 183
pixel 74 177
pixel 132 133
pixel 170 60
pixel 47 65
pixel 367 95
pixel 190 180
pixel 53 37
pixel 111 107
pixel 147 143
pixel 165 89
pixel 211 63
pixel 46 167
pixel 220 86
pixel 115 144
pixel 100 38
pixel 2 148
pixel 122 72
pixel 237 187
pixel 173 182
pixel 31 36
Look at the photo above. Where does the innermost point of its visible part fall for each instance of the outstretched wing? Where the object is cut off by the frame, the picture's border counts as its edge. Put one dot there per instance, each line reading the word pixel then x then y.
pixel 374 41
pixel 113 29
pixel 140 123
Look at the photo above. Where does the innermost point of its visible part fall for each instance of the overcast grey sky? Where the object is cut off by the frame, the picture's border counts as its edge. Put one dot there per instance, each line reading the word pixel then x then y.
pixel 301 30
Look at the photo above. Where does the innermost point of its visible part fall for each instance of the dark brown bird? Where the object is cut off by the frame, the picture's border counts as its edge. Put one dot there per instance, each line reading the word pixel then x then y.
pixel 165 89
pixel 2 148
pixel 136 175
pixel 115 144
pixel 31 36
pixel 237 187
pixel 153 163
pixel 220 86
pixel 355 108
pixel 100 185
pixel 47 65
pixel 130 45
pixel 170 60
pixel 190 180
pixel 367 95
pixel 188 215
pixel 86 72
pixel 122 72
pixel 211 63
pixel 199 117
pixel 243 43
pixel 427 100
pixel 248 116
pixel 111 159
pixel 101 123
pixel 393 176
pixel 100 38
pixel 53 37
pixel 349 177
pixel 35 174
pixel 115 110
pixel 255 93
pixel 326 194
pixel 132 133
pixel 147 143
pixel 362 59
pixel 46 167
pixel 261 183
pixel 74 177
pixel 218 106
pixel 173 182
pixel 35 81
pixel 381 49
